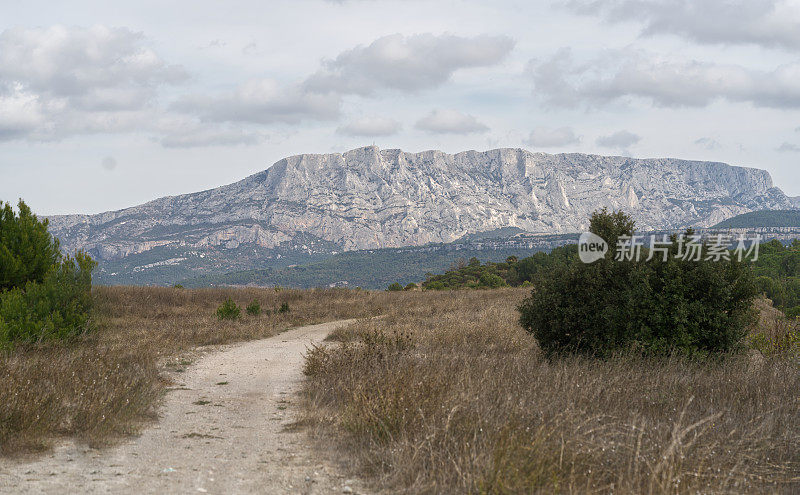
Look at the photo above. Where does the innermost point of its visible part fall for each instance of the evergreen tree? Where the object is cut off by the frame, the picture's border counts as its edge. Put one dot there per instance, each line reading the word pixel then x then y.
pixel 27 250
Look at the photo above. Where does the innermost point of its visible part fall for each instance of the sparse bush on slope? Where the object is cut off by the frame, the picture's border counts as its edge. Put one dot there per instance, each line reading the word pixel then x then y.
pixel 512 272
pixel 229 310
pixel 254 308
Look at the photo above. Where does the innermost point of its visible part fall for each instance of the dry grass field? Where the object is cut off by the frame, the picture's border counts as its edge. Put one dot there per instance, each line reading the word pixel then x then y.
pixel 446 394
pixel 107 382
pixel 443 394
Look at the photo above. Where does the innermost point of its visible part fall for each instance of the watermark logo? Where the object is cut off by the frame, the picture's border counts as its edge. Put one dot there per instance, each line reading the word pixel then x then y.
pixel 713 247
pixel 591 247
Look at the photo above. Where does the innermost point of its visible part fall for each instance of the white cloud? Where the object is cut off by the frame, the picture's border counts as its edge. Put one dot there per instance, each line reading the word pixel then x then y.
pixel 75 62
pixel 406 63
pixel 665 81
pixel 20 114
pixel 59 81
pixel 450 122
pixel 370 126
pixel 262 101
pixel 768 23
pixel 619 140
pixel 546 137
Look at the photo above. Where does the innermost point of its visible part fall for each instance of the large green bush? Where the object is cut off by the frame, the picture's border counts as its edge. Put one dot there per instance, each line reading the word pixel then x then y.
pixel 778 275
pixel 43 295
pixel 56 308
pixel 27 250
pixel 654 306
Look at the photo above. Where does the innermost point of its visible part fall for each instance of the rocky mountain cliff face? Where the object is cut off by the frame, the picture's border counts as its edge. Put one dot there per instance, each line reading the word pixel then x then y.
pixel 371 198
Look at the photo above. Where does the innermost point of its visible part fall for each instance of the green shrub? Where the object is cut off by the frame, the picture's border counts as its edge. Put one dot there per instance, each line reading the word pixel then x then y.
pixel 514 272
pixel 27 250
pixel 491 280
pixel 229 310
pixel 58 307
pixel 656 306
pixel 786 343
pixel 254 308
pixel 284 308
pixel 43 295
pixel 435 285
pixel 395 287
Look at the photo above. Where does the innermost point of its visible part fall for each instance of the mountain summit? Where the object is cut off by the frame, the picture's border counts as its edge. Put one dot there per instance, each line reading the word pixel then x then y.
pixel 372 198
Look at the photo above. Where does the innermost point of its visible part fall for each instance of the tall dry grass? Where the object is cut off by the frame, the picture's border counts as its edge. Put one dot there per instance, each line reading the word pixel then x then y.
pixel 107 382
pixel 447 394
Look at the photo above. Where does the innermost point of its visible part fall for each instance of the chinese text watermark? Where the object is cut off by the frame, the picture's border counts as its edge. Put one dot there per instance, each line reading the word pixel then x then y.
pixel 691 247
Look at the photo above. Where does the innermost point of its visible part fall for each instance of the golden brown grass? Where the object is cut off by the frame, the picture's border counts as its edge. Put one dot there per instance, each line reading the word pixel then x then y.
pixel 774 334
pixel 105 383
pixel 447 394
pixel 444 394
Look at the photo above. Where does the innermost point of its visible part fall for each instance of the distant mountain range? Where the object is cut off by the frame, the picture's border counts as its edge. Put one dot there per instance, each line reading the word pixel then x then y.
pixel 308 207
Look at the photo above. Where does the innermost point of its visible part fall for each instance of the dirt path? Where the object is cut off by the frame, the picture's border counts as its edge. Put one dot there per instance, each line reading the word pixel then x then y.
pixel 222 430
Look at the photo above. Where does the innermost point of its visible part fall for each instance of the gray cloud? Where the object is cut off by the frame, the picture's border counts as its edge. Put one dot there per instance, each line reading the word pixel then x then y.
pixel 406 63
pixel 546 137
pixel 262 102
pixel 182 131
pixel 768 23
pixel 788 148
pixel 59 81
pixel 109 163
pixel 89 64
pixel 210 137
pixel 450 122
pixel 707 143
pixel 370 127
pixel 666 82
pixel 391 62
pixel 619 140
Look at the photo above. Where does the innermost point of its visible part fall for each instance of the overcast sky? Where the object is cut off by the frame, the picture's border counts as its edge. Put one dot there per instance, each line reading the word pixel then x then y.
pixel 105 105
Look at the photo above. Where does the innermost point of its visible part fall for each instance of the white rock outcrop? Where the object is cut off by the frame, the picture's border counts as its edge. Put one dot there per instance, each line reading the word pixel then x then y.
pixel 371 198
